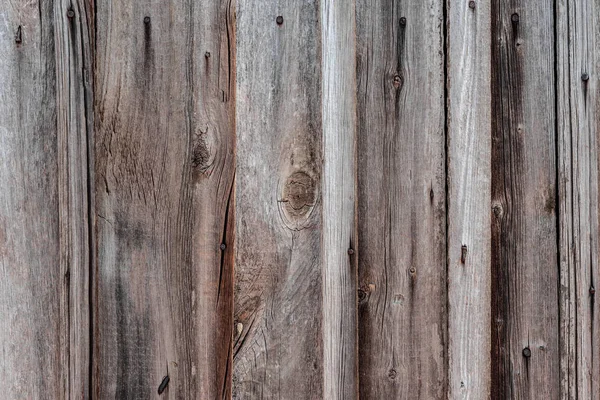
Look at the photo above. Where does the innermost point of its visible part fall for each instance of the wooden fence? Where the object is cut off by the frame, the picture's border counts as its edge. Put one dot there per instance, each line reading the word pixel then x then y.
pixel 299 199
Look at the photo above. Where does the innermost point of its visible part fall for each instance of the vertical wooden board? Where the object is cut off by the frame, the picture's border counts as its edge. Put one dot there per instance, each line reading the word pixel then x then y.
pixel 164 171
pixel 578 43
pixel 74 112
pixel 33 286
pixel 339 185
pixel 401 200
pixel 278 349
pixel 469 197
pixel 525 341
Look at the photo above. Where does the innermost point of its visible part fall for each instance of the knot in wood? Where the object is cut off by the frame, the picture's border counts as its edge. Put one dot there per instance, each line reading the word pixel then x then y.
pixel 397 81
pixel 392 374
pixel 299 194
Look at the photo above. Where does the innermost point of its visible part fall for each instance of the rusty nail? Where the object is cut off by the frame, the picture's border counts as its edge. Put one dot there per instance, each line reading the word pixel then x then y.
pixel 463 253
pixel 472 5
pixel 70 13
pixel 207 54
pixel 585 77
pixel 402 21
pixel 592 290
pixel 18 36
pixel 163 385
pixel 279 20
pixel 146 20
pixel 526 352
pixel 223 246
pixel 514 18
pixel 350 251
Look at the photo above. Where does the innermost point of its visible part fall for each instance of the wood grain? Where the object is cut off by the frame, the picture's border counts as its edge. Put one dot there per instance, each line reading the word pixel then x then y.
pixel 164 171
pixel 469 198
pixel 578 124
pixel 34 284
pixel 401 200
pixel 73 38
pixel 278 350
pixel 525 340
pixel 339 186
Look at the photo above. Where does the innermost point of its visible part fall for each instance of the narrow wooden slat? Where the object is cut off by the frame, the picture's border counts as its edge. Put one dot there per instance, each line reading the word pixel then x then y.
pixel 578 66
pixel 469 198
pixel 278 351
pixel 164 171
pixel 34 286
pixel 339 185
pixel 401 200
pixel 525 341
pixel 73 48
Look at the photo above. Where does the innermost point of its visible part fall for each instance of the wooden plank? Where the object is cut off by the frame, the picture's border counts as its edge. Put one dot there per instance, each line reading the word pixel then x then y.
pixel 338 54
pixel 34 291
pixel 164 121
pixel 278 349
pixel 525 341
pixel 578 180
pixel 73 37
pixel 469 198
pixel 401 200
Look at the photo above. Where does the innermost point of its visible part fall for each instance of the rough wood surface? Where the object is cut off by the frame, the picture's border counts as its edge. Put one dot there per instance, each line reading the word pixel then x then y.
pixel 164 170
pixel 74 101
pixel 469 198
pixel 578 63
pixel 339 186
pixel 34 285
pixel 525 342
pixel 401 199
pixel 278 349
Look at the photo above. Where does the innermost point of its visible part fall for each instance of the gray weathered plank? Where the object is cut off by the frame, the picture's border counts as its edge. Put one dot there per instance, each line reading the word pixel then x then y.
pixel 164 126
pixel 34 288
pixel 278 349
pixel 578 63
pixel 401 199
pixel 338 54
pixel 74 112
pixel 525 342
pixel 469 198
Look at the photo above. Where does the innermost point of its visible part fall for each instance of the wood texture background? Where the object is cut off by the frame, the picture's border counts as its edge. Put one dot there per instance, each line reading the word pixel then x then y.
pixel 317 199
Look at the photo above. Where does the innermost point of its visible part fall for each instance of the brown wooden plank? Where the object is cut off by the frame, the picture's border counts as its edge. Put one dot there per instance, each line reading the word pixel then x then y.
pixel 164 109
pixel 577 67
pixel 278 351
pixel 524 238
pixel 34 288
pixel 401 200
pixel 338 51
pixel 73 40
pixel 469 197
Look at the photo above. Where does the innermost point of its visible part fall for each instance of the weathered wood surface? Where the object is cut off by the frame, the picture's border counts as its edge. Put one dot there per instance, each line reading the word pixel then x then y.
pixel 469 196
pixel 73 25
pixel 164 169
pixel 525 313
pixel 401 200
pixel 278 345
pixel 578 119
pixel 33 285
pixel 340 362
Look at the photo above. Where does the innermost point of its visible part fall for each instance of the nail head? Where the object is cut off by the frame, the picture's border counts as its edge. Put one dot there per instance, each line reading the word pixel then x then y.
pixel 279 20
pixel 70 13
pixel 207 54
pixel 471 5
pixel 403 21
pixel 527 352
pixel 514 17
pixel 146 20
pixel 592 290
pixel 350 251
pixel 223 246
pixel 585 77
